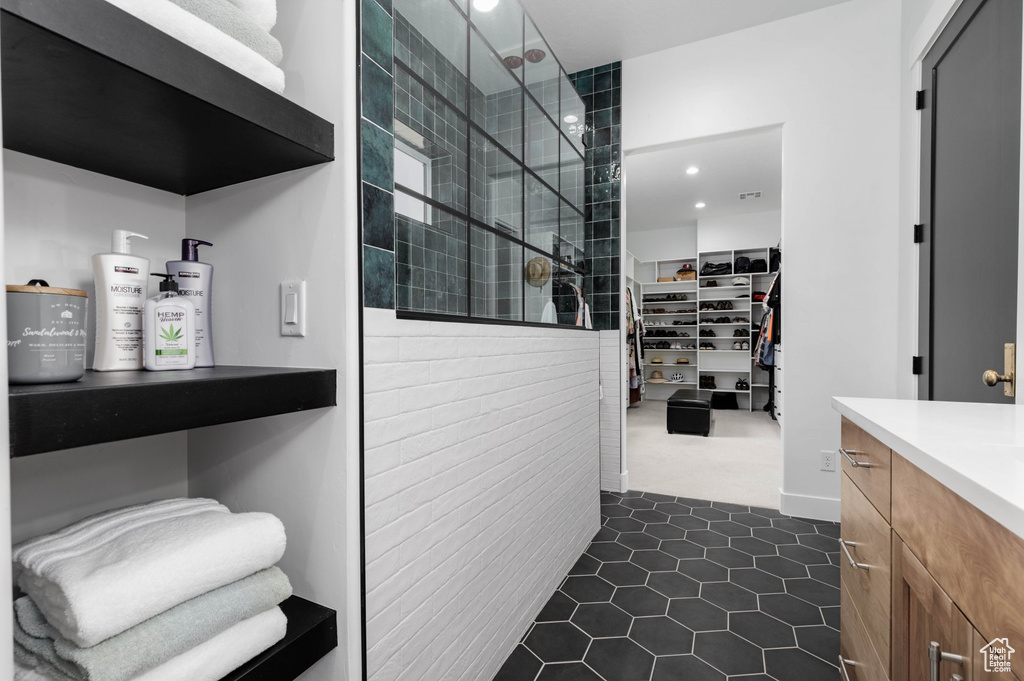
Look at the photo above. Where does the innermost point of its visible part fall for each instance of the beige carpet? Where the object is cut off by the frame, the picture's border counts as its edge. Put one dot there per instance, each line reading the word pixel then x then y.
pixel 739 462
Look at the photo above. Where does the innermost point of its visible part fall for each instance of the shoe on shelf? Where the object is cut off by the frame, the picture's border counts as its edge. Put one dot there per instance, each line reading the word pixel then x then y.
pixel 711 284
pixel 684 334
pixel 746 345
pixel 739 384
pixel 737 345
pixel 728 305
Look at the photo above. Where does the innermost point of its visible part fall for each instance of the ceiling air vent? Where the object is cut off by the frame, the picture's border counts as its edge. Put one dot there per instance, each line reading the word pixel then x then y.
pixel 750 195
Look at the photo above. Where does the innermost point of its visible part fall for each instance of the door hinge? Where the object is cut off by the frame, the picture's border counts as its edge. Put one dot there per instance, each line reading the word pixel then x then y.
pixel 918 234
pixel 919 100
pixel 917 365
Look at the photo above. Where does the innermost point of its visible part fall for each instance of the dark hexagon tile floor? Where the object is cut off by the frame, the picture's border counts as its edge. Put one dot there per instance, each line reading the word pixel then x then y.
pixel 677 588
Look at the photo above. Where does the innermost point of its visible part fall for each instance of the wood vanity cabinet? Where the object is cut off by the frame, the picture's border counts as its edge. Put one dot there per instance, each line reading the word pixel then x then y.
pixel 920 565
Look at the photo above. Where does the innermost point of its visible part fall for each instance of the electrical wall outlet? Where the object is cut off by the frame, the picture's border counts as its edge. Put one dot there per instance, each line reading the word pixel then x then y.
pixel 828 460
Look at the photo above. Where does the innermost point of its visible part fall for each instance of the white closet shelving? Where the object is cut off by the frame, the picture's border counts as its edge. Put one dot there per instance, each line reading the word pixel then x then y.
pixel 708 304
pixel 669 306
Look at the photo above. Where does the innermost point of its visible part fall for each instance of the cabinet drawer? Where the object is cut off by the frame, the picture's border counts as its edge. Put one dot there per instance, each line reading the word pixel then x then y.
pixel 868 539
pixel 860 660
pixel 872 472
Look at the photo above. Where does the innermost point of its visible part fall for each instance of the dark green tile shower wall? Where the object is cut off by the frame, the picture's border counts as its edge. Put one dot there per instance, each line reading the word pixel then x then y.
pixel 376 153
pixel 601 90
pixel 382 237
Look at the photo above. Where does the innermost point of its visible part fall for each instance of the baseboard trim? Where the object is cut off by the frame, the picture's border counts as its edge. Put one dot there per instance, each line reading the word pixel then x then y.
pixel 804 506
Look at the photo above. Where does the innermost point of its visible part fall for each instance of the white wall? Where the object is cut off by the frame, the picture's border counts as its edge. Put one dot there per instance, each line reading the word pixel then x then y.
pixel 832 79
pixel 735 232
pixel 481 463
pixel 6 635
pixel 673 243
pixel 750 230
pixel 298 225
pixel 56 217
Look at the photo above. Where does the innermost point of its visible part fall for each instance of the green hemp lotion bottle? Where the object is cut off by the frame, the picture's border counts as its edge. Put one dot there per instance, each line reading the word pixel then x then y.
pixel 168 329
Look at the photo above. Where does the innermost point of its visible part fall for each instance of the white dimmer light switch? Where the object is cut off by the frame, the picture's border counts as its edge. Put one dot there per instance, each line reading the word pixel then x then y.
pixel 293 308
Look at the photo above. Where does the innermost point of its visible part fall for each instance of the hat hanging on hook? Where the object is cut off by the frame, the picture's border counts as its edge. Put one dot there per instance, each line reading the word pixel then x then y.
pixel 538 272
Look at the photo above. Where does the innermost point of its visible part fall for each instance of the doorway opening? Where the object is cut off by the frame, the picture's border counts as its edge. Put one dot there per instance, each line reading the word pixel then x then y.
pixel 702 267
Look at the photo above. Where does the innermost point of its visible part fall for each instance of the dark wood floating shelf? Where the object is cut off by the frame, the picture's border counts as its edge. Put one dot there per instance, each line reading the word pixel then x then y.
pixel 103 407
pixel 89 85
pixel 312 633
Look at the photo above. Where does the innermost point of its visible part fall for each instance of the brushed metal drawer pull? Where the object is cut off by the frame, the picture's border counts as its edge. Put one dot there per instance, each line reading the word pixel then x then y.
pixel 936 656
pixel 848 455
pixel 849 556
pixel 843 662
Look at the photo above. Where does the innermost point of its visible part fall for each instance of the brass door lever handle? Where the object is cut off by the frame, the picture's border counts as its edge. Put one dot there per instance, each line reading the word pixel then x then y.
pixel 991 377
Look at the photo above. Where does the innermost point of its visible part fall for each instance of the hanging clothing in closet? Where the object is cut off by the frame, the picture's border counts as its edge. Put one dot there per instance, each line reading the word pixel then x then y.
pixel 635 346
pixel 771 325
pixel 570 307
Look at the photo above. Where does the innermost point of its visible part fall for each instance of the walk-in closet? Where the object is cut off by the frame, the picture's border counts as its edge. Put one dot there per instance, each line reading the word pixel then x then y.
pixel 702 269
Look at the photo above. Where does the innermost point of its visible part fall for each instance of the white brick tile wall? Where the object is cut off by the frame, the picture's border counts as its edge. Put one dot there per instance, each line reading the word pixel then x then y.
pixel 484 449
pixel 613 363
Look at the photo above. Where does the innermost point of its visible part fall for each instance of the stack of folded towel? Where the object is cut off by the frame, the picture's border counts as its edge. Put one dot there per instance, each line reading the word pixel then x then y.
pixel 174 590
pixel 234 32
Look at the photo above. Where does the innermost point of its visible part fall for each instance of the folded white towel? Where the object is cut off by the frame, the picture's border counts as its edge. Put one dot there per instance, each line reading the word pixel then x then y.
pixel 237 24
pixel 105 574
pixel 263 12
pixel 186 27
pixel 209 661
pixel 24 672
pixel 158 639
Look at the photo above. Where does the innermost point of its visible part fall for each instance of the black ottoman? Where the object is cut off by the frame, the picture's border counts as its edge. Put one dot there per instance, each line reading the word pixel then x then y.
pixel 687 413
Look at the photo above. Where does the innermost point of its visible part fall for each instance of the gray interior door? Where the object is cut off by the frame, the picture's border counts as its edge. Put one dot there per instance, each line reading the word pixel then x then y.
pixel 969 200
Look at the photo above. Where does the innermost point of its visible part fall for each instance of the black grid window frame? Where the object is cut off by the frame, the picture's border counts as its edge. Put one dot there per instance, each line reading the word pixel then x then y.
pixel 520 162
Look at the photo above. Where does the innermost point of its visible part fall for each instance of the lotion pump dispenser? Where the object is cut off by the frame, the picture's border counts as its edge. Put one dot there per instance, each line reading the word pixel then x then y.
pixel 195 282
pixel 121 284
pixel 169 341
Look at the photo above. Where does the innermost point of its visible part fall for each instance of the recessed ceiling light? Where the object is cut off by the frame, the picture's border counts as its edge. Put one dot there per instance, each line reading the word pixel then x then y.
pixel 484 5
pixel 571 119
pixel 692 170
pixel 699 204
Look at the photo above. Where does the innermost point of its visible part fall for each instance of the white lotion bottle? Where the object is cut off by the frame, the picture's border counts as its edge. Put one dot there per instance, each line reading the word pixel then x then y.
pixel 169 323
pixel 195 282
pixel 122 281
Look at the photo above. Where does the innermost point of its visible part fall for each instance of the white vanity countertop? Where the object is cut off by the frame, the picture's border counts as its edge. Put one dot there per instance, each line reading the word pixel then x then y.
pixel 976 450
